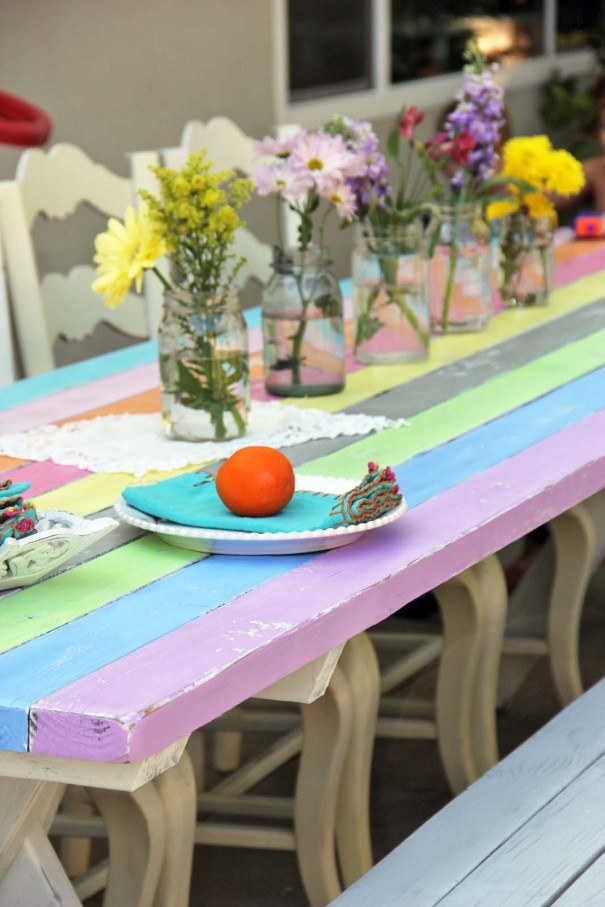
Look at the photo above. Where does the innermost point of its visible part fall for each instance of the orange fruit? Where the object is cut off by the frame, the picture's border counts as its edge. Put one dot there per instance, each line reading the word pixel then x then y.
pixel 255 481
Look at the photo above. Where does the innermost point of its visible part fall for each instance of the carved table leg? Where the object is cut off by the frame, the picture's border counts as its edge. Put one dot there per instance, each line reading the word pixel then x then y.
pixel 135 823
pixel 360 665
pixel 473 608
pixel 327 726
pixel 176 788
pixel 579 537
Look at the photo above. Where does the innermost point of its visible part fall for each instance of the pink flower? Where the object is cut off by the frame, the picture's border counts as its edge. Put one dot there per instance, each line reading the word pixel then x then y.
pixel 277 147
pixel 326 158
pixel 281 179
pixel 343 199
pixel 410 119
pixel 372 467
pixel 389 474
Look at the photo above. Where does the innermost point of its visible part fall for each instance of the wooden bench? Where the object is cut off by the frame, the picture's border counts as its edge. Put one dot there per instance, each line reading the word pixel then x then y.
pixel 531 831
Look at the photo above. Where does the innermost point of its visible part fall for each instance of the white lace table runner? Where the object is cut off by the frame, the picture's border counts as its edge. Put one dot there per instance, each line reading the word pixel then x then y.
pixel 136 444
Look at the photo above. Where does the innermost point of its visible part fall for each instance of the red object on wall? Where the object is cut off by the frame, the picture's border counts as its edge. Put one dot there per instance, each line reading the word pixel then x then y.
pixel 22 123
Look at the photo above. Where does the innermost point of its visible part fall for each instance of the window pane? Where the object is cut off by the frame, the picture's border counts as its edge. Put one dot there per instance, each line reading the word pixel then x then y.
pixel 329 47
pixel 576 19
pixel 428 36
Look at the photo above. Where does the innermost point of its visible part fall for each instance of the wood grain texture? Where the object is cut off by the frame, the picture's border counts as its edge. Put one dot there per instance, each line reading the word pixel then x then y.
pixel 518 809
pixel 321 603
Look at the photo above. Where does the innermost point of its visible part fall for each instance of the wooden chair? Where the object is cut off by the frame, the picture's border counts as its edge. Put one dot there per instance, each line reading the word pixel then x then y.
pixel 52 184
pixel 7 352
pixel 229 147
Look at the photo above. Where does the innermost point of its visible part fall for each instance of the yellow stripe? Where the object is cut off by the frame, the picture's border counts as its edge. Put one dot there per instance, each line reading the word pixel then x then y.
pixel 96 492
pixel 375 379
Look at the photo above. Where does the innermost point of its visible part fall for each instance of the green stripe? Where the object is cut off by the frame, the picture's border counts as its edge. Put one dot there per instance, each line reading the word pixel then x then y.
pixel 468 410
pixel 63 598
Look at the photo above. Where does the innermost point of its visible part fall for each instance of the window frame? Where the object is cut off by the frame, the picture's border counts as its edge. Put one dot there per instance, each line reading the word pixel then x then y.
pixel 385 99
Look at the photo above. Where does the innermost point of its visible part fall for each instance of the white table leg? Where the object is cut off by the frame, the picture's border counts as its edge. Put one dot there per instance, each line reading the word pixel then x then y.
pixel 579 537
pixel 135 824
pixel 327 724
pixel 353 841
pixel 176 788
pixel 473 608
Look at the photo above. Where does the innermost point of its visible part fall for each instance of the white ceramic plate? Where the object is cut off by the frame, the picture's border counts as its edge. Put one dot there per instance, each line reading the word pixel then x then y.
pixel 225 541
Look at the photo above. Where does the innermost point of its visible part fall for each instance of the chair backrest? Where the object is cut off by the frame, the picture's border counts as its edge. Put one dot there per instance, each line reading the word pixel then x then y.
pixel 228 147
pixel 7 353
pixel 53 184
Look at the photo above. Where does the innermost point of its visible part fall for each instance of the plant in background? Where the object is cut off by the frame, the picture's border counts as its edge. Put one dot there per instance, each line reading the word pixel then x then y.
pixel 536 172
pixel 193 221
pixel 570 107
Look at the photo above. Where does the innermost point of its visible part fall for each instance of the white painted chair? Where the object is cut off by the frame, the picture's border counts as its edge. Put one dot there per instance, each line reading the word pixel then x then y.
pixel 7 352
pixel 229 147
pixel 52 184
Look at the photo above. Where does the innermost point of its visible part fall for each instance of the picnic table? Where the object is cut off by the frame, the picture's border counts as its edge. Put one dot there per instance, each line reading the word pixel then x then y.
pixel 109 665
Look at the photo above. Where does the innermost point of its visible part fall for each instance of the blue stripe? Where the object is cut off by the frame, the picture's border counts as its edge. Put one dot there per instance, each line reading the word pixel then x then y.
pixel 252 317
pixel 79 373
pixel 47 663
pixel 433 472
pixel 134 620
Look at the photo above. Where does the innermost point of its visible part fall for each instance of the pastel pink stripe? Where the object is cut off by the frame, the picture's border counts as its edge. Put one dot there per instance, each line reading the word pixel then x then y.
pixel 210 661
pixel 84 397
pixel 255 339
pixel 45 476
pixel 575 268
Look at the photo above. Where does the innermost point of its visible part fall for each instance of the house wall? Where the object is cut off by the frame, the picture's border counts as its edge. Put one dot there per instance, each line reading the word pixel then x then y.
pixel 125 75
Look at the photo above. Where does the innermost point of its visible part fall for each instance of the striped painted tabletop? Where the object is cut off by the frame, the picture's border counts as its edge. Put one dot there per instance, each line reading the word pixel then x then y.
pixel 137 643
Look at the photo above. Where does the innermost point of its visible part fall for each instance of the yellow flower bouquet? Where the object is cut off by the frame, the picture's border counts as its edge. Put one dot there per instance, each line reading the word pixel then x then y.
pixel 528 216
pixel 202 338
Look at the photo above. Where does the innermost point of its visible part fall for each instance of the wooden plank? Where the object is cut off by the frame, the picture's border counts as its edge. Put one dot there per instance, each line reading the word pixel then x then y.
pixel 553 846
pixel 45 476
pixel 101 636
pixel 587 890
pixel 36 610
pixel 455 422
pixel 320 604
pixel 72 401
pixel 454 843
pixel 98 491
pixel 69 376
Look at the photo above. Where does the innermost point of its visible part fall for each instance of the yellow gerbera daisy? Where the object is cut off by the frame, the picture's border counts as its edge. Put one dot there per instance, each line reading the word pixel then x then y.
pixel 123 253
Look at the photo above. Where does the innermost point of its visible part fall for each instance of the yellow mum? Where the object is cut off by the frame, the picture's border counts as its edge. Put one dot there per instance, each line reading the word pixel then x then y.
pixel 123 253
pixel 565 173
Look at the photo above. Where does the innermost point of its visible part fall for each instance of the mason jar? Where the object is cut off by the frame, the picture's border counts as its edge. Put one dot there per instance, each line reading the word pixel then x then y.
pixel 461 271
pixel 203 350
pixel 303 327
pixel 390 294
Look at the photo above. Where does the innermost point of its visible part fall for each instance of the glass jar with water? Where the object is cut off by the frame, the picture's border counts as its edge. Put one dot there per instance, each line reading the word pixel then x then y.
pixel 303 329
